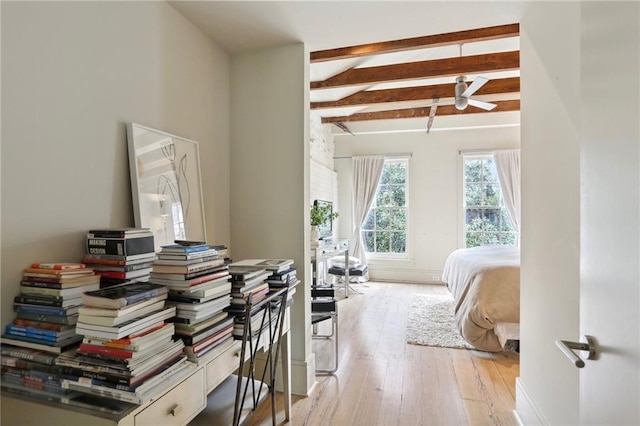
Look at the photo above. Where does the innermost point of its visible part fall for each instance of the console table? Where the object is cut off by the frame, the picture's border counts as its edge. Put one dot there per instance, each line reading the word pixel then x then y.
pixel 184 397
pixel 326 250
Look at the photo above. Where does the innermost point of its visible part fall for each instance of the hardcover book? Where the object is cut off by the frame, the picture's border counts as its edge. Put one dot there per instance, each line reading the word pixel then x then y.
pixel 187 269
pixel 120 246
pixel 51 281
pixel 124 311
pixel 122 295
pixel 117 320
pixel 182 249
pixel 60 265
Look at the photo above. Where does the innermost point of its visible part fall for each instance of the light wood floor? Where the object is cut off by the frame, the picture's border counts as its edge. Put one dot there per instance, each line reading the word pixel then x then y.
pixel 384 381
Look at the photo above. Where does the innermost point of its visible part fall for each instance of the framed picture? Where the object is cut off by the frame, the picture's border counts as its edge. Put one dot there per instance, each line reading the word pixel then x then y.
pixel 165 185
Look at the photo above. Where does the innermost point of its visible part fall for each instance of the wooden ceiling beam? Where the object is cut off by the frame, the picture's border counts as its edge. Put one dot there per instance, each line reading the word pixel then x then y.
pixel 502 106
pixel 437 40
pixel 418 93
pixel 491 62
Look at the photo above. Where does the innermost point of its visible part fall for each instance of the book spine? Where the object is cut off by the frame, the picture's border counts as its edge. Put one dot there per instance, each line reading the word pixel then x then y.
pixel 56 319
pixel 99 382
pixel 102 391
pixel 106 377
pixel 26 290
pixel 120 246
pixel 41 325
pixel 42 282
pixel 30 331
pixel 42 338
pixel 115 274
pixel 57 266
pixel 40 301
pixel 41 310
pixel 103 350
pixel 29 355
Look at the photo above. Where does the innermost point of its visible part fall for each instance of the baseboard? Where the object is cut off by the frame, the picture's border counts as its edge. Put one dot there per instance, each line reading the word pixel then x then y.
pixel 526 412
pixel 413 276
pixel 303 375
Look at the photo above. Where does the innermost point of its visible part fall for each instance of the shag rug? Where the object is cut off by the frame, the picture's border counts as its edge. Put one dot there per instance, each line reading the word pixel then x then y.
pixel 431 322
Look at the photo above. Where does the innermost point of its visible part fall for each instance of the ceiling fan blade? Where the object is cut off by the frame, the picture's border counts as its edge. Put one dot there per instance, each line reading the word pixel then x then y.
pixel 432 113
pixel 477 83
pixel 481 104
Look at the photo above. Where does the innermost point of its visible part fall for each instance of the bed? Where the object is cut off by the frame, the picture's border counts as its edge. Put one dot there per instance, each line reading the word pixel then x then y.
pixel 485 284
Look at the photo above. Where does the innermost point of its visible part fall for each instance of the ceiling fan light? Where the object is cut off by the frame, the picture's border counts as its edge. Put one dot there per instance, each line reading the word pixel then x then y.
pixel 461 103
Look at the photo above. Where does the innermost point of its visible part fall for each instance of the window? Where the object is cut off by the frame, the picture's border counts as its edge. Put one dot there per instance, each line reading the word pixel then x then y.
pixel 485 217
pixel 385 229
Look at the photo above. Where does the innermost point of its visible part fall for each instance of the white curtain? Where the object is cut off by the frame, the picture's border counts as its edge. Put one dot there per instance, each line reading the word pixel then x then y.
pixel 366 176
pixel 508 167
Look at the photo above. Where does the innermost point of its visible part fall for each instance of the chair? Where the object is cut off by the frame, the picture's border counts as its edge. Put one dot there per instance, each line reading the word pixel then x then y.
pixel 324 307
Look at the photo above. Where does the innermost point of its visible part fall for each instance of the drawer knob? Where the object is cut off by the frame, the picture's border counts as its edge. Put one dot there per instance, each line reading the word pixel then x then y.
pixel 176 410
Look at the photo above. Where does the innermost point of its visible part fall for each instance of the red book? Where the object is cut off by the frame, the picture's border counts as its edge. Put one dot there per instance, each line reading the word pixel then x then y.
pixel 60 265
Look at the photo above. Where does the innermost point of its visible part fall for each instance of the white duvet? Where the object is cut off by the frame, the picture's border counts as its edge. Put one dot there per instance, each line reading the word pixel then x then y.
pixel 485 283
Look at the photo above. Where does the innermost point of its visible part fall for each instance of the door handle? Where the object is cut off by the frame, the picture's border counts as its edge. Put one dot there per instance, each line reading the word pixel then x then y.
pixel 568 349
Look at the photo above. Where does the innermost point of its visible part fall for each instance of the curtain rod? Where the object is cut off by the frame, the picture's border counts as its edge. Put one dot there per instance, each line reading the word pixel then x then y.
pixel 483 151
pixel 400 154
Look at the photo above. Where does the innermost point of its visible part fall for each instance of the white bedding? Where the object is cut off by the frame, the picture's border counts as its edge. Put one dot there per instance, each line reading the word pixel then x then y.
pixel 485 283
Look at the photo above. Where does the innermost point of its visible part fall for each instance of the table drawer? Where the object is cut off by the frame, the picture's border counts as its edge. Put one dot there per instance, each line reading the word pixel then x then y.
pixel 222 366
pixel 178 406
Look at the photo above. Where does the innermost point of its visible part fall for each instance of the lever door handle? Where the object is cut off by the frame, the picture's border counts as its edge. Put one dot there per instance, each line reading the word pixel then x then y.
pixel 568 349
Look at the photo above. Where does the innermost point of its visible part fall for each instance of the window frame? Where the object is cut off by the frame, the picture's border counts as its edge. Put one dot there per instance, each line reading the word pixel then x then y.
pixel 406 255
pixel 462 205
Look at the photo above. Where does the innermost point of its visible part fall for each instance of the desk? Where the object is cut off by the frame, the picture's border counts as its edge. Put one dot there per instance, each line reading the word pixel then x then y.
pixel 326 250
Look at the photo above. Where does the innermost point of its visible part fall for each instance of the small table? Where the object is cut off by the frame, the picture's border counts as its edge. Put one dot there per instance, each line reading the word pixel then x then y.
pixel 327 249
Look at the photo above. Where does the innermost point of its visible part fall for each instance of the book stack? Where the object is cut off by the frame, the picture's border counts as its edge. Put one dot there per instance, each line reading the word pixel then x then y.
pixel 120 255
pixel 35 374
pixel 128 348
pixel 198 282
pixel 48 305
pixel 249 281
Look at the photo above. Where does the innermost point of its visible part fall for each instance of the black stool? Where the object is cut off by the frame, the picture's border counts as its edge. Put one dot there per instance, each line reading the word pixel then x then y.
pixel 356 271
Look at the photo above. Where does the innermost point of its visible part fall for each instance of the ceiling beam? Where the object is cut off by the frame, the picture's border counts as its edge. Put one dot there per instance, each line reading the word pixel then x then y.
pixel 418 93
pixel 437 40
pixel 502 106
pixel 491 62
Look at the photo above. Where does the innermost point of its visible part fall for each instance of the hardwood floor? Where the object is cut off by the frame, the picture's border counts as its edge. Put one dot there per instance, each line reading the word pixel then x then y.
pixel 384 381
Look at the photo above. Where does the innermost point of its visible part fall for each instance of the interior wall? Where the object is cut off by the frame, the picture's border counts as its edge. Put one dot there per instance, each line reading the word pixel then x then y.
pixel 547 389
pixel 73 75
pixel 270 176
pixel 435 182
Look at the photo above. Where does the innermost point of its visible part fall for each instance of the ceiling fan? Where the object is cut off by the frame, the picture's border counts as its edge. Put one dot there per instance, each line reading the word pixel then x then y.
pixel 463 93
pixel 462 98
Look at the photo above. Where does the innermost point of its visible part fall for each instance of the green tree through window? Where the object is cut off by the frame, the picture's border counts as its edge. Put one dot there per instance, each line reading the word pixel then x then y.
pixel 385 229
pixel 486 221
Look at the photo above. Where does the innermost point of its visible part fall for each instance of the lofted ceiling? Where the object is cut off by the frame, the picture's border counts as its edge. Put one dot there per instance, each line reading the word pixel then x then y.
pixel 411 79
pixel 411 53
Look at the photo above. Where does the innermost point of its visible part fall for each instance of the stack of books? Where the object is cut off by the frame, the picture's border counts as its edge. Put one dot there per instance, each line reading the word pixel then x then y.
pixel 199 289
pixel 120 255
pixel 35 374
pixel 249 281
pixel 128 348
pixel 48 305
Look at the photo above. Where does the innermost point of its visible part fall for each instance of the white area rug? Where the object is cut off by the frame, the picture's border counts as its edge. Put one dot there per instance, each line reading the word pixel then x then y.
pixel 431 322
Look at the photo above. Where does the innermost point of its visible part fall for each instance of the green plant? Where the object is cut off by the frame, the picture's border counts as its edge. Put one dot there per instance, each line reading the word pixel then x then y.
pixel 321 213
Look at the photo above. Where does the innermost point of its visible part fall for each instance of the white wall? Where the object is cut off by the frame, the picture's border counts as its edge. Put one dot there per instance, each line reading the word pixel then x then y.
pixel 270 176
pixel 549 292
pixel 435 182
pixel 73 74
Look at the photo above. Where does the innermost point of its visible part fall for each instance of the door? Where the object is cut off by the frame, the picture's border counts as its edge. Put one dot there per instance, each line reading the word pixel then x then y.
pixel 610 211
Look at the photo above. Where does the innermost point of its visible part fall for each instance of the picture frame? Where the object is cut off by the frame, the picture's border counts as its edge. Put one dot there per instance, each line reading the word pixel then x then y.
pixel 166 185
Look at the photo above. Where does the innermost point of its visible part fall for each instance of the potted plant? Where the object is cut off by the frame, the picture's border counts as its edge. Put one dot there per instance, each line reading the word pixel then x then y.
pixel 320 213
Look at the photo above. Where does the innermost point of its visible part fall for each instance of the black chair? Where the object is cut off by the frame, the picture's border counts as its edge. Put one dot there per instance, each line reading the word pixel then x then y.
pixel 324 307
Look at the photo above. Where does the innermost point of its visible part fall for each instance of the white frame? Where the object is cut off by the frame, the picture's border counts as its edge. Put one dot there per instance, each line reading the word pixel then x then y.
pixel 165 185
